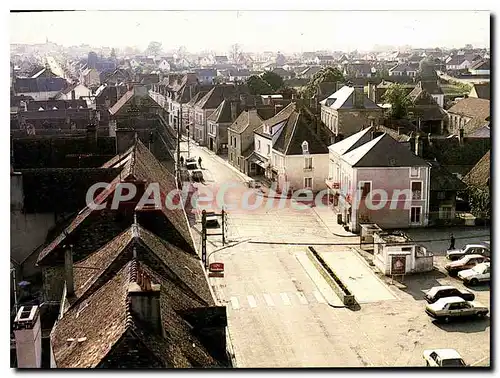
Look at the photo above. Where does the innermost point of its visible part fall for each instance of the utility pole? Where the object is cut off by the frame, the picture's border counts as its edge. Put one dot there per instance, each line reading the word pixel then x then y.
pixel 204 238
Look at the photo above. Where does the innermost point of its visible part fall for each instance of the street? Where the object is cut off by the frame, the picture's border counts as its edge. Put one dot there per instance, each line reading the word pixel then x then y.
pixel 280 315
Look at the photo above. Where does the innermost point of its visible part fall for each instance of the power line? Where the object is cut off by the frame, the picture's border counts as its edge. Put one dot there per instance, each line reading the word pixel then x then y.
pixel 357 244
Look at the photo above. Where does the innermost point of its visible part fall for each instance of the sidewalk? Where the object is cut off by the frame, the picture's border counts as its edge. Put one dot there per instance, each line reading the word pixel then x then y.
pixel 329 219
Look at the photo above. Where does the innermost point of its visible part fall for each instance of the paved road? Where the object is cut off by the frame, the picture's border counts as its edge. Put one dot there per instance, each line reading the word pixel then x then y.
pixel 278 316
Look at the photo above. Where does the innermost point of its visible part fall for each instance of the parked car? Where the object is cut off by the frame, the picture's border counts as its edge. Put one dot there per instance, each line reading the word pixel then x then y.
pixel 197 175
pixel 470 249
pixel 480 273
pixel 453 308
pixel 438 292
pixel 466 262
pixel 443 358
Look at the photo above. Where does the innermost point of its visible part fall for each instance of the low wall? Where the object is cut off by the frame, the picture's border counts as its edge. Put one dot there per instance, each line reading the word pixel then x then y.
pixel 331 278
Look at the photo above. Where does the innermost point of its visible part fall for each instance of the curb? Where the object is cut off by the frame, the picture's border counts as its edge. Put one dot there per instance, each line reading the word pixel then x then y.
pixel 328 228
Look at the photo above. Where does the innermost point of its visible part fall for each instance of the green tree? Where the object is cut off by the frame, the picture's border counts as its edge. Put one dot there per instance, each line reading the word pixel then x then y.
pixel 287 92
pixel 396 96
pixel 258 86
pixel 327 74
pixel 154 48
pixel 273 79
pixel 480 201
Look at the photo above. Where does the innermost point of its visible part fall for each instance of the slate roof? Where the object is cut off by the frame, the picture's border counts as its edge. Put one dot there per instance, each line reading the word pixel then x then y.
pixel 444 180
pixel 39 84
pixel 59 104
pixel 352 142
pixel 480 65
pixel 483 90
pixel 222 114
pixel 383 151
pixel 215 96
pixel 405 67
pixel 479 175
pixel 472 107
pixel 311 70
pixel 343 99
pixel 106 317
pixel 301 126
pixel 481 132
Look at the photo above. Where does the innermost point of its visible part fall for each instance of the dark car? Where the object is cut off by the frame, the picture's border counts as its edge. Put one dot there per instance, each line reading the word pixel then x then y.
pixel 438 292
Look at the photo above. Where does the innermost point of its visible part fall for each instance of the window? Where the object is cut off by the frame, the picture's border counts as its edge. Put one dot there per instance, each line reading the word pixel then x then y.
pixel 308 182
pixel 414 172
pixel 366 187
pixel 445 212
pixel 305 147
pixel 415 213
pixel 416 190
pixel 268 149
pixel 258 145
pixel 441 195
pixel 308 162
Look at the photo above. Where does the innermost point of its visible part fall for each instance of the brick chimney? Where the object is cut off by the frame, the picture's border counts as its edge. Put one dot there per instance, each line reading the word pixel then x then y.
pixel 235 107
pixel 145 300
pixel 28 335
pixel 125 138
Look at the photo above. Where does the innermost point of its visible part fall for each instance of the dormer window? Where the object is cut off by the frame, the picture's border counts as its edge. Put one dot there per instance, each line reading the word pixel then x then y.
pixel 54 108
pixel 40 109
pixel 305 148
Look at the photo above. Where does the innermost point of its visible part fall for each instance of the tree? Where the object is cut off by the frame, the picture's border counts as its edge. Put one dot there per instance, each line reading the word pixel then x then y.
pixel 234 53
pixel 273 79
pixel 287 92
pixel 327 74
pixel 258 86
pixel 480 201
pixel 154 48
pixel 396 96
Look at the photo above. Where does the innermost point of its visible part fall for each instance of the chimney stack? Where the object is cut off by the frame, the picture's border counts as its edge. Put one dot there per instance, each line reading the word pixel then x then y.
pixel 234 110
pixel 28 335
pixel 145 300
pixel 68 270
pixel 91 135
pixel 461 135
pixel 73 95
pixel 277 108
pixel 125 138
pixel 418 149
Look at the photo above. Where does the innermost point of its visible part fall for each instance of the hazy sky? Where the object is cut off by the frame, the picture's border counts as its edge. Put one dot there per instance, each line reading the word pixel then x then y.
pixel 255 30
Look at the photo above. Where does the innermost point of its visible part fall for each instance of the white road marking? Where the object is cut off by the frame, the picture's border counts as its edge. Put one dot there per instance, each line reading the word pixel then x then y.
pixel 285 299
pixel 319 297
pixel 251 301
pixel 302 298
pixel 269 299
pixel 234 303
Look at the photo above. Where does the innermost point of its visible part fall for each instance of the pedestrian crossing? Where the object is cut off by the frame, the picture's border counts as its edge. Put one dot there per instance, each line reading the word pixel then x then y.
pixel 276 300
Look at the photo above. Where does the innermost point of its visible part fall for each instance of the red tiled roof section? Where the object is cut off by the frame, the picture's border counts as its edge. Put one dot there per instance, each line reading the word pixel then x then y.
pixel 146 167
pixel 102 320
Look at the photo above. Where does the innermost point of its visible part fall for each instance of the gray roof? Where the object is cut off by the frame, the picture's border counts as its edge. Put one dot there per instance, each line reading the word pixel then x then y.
pixel 343 99
pixel 383 151
pixel 354 141
pixel 249 118
pixel 222 114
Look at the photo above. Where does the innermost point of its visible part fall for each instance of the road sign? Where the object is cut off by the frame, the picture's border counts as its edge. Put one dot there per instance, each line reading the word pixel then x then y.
pixel 216 274
pixel 216 267
pixel 398 264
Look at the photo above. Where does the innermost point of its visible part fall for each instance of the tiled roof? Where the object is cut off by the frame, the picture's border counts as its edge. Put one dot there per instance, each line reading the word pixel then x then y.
pixel 405 67
pixel 91 334
pixel 383 151
pixel 480 174
pixel 283 115
pixel 121 102
pixel 248 118
pixel 216 95
pixel 472 107
pixel 481 65
pixel 40 84
pixel 143 166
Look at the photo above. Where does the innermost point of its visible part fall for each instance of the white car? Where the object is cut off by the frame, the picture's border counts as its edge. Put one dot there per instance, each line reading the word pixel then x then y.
pixel 443 358
pixel 482 249
pixel 455 308
pixel 480 273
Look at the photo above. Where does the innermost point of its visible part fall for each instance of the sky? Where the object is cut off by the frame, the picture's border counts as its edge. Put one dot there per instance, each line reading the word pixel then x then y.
pixel 288 31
